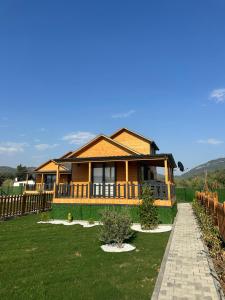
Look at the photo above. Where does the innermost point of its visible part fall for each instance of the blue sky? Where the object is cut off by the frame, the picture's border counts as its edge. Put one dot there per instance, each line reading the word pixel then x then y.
pixel 73 69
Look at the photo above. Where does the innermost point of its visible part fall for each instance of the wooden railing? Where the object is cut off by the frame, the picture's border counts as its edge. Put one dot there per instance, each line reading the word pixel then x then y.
pixel 39 187
pixel 214 208
pixel 17 205
pixel 111 190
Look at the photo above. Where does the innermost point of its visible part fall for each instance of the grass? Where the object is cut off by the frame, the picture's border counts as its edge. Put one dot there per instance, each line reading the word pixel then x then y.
pixel 44 261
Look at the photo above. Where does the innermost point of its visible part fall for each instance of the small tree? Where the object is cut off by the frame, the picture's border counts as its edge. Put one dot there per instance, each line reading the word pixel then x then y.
pixel 21 172
pixel 147 210
pixel 7 183
pixel 116 227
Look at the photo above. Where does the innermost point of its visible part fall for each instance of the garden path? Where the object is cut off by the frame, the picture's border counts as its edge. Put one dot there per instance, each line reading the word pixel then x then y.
pixel 186 272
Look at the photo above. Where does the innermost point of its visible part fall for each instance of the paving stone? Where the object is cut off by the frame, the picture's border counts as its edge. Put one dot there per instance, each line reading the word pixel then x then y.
pixel 187 273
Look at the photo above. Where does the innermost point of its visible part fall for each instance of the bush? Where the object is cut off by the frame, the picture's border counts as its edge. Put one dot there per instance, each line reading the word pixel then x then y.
pixel 44 216
pixel 69 217
pixel 91 221
pixel 116 227
pixel 147 210
pixel 7 183
pixel 209 232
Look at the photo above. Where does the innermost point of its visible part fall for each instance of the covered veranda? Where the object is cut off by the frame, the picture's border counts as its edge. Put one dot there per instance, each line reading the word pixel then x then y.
pixel 116 180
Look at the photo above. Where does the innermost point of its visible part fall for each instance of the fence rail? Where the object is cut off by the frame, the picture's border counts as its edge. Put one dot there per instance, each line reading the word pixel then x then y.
pixel 216 209
pixel 110 190
pixel 17 205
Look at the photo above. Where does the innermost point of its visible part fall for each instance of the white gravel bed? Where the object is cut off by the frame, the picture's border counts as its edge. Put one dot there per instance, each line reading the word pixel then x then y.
pixel 160 228
pixel 135 226
pixel 114 248
pixel 65 222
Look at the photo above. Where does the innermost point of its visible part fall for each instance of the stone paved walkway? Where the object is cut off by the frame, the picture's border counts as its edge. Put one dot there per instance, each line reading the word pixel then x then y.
pixel 186 270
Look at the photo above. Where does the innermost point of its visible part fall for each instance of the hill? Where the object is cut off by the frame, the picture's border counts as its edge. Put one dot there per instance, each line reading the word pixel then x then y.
pixel 10 170
pixel 5 169
pixel 210 166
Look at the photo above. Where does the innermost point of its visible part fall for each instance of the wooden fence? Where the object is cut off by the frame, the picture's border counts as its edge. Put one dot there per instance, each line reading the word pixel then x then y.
pixel 18 205
pixel 215 208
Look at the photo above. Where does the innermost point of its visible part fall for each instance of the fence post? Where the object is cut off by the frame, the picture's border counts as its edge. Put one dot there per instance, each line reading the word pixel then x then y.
pixel 215 200
pixel 23 208
pixel 42 195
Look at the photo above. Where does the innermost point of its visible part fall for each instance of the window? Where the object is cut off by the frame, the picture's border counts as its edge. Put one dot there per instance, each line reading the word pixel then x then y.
pixel 146 173
pixel 50 178
pixel 104 173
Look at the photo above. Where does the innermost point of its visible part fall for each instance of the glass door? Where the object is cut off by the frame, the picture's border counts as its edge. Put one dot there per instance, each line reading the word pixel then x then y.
pixel 98 172
pixel 109 179
pixel 103 179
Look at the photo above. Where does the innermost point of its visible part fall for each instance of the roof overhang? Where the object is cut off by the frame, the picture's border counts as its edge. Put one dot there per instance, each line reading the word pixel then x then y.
pixel 156 160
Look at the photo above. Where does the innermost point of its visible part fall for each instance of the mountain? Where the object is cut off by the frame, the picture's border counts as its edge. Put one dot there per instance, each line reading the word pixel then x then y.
pixel 7 170
pixel 210 166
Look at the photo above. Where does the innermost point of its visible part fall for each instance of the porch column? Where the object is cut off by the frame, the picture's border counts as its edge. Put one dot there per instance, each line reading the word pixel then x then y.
pixel 42 179
pixel 167 178
pixel 127 177
pixel 89 179
pixel 57 175
pixel 27 178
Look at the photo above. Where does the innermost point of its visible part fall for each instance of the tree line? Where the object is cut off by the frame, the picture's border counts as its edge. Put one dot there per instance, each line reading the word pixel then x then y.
pixel 7 178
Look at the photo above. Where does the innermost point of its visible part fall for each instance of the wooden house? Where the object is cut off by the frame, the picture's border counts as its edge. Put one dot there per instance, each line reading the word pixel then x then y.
pixel 109 170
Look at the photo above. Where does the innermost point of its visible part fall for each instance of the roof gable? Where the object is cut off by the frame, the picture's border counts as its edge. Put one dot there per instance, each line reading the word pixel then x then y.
pixel 102 146
pixel 50 166
pixel 122 134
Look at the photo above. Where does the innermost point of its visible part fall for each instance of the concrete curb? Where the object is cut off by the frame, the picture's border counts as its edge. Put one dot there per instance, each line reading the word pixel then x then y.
pixel 158 283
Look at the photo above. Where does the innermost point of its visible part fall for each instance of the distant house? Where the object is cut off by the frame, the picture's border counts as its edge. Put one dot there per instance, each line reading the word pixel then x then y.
pixel 24 182
pixel 109 170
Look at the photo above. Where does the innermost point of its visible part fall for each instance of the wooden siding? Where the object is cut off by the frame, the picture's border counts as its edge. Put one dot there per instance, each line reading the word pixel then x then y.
pixel 130 140
pixel 51 166
pixel 80 173
pixel 64 178
pixel 103 147
pixel 38 178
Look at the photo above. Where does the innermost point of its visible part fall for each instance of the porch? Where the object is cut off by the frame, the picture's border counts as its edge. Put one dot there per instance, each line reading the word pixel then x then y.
pixel 116 180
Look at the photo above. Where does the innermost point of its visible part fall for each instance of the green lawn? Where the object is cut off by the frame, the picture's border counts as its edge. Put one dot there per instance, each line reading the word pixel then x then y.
pixel 44 261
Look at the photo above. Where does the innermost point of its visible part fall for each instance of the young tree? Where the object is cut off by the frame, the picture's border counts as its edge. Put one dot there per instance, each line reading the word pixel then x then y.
pixel 7 183
pixel 147 210
pixel 21 172
pixel 116 227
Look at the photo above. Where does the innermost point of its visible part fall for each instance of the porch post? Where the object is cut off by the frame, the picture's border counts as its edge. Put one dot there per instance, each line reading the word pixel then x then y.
pixel 127 178
pixel 27 179
pixel 42 178
pixel 167 178
pixel 42 182
pixel 57 175
pixel 89 179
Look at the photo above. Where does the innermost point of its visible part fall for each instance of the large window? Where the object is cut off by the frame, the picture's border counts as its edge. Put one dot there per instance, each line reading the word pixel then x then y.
pixel 50 178
pixel 146 173
pixel 104 173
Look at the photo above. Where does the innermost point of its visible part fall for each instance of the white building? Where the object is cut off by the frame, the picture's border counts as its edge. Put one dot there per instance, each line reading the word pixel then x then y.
pixel 23 183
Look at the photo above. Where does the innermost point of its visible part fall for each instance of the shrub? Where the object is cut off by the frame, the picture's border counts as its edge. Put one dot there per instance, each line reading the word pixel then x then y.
pixel 44 216
pixel 147 210
pixel 116 227
pixel 209 232
pixel 91 221
pixel 69 217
